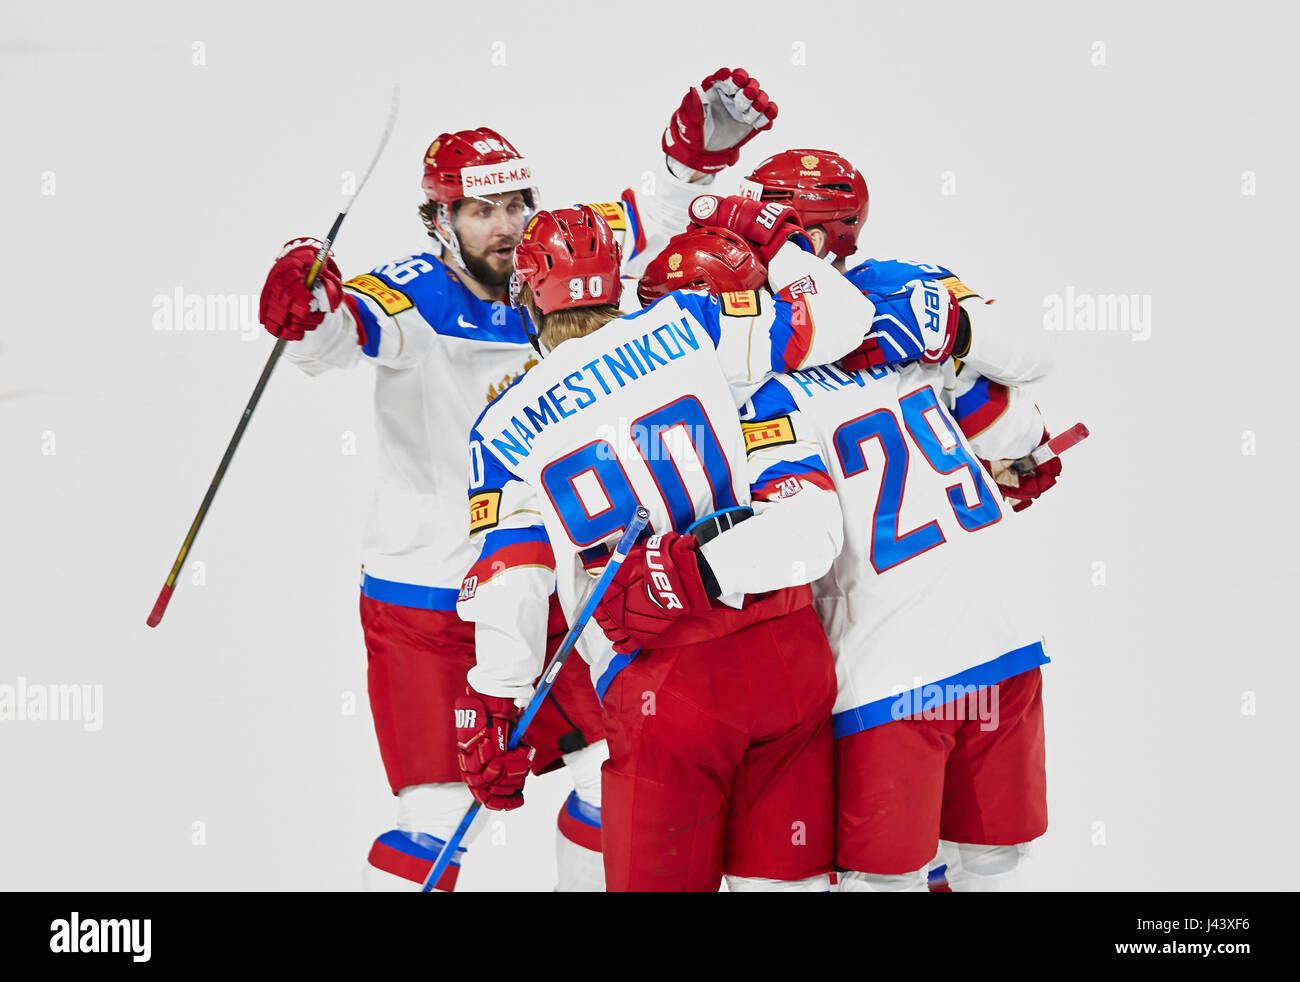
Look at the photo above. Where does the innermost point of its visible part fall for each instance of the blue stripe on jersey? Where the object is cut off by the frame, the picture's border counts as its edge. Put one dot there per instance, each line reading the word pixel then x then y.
pixel 616 665
pixel 580 810
pixel 369 324
pixel 888 709
pixel 974 399
pixel 408 594
pixel 421 845
pixel 773 399
pixel 791 468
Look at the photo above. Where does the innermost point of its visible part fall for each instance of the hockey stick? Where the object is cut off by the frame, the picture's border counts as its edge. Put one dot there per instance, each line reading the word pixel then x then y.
pixel 639 521
pixel 165 595
pixel 1054 447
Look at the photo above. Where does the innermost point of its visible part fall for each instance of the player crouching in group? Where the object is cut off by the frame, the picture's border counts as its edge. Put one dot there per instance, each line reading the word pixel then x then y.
pixel 718 685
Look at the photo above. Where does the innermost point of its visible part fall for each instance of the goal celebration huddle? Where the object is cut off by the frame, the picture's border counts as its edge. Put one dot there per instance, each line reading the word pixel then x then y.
pixel 810 670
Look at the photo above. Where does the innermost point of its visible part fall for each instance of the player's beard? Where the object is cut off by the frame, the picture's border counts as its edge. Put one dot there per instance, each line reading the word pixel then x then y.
pixel 482 269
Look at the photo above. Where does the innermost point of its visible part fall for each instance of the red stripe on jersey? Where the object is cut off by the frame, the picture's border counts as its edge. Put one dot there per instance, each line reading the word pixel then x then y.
pixel 634 217
pixel 352 302
pixel 510 557
pixel 801 334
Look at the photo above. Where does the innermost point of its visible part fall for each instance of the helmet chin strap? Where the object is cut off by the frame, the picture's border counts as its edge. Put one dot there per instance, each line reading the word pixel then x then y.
pixel 451 247
pixel 449 242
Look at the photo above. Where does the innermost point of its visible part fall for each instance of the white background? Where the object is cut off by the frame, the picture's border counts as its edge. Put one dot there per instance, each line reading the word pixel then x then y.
pixel 1122 177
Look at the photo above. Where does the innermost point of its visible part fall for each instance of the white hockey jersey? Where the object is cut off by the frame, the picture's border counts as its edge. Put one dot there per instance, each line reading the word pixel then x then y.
pixel 440 355
pixel 644 411
pixel 916 605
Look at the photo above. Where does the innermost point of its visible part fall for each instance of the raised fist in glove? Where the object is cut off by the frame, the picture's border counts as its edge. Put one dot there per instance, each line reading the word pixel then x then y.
pixel 765 225
pixel 1021 480
pixel 494 774
pixel 717 118
pixel 659 581
pixel 287 308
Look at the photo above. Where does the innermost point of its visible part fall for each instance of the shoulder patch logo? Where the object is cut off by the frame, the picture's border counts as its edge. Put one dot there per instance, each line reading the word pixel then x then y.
pixel 393 301
pixel 484 510
pixel 767 433
pixel 741 303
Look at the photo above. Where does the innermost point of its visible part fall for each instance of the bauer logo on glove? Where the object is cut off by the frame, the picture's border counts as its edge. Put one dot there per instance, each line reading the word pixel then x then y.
pixel 666 599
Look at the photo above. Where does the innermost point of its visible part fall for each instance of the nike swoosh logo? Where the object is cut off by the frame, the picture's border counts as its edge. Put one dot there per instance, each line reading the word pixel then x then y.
pixel 460 319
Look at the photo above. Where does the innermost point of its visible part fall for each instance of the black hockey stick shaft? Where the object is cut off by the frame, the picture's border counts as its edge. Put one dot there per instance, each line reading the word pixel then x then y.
pixel 169 586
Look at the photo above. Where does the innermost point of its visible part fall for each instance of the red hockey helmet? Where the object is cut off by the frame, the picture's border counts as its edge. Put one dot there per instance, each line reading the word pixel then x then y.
pixel 714 259
pixel 823 187
pixel 471 163
pixel 568 258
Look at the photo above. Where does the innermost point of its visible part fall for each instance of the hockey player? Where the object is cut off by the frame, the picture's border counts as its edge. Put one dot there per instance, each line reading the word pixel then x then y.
pixel 831 198
pixel 719 740
pixel 444 343
pixel 938 735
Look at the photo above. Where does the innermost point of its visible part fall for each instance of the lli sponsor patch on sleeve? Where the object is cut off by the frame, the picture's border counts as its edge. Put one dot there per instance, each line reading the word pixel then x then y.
pixel 613 214
pixel 767 433
pixel 393 301
pixel 959 290
pixel 484 510
pixel 741 303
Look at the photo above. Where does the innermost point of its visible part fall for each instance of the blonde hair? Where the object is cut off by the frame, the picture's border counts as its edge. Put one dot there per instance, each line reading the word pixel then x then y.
pixel 569 322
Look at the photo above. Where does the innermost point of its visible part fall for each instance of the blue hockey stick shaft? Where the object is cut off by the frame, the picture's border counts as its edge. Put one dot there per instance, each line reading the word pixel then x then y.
pixel 640 519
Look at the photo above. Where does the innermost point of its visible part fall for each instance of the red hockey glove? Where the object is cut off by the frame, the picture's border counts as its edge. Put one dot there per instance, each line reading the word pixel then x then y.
pixel 1022 489
pixel 864 357
pixel 717 118
pixel 658 582
pixel 288 309
pixel 766 226
pixel 495 775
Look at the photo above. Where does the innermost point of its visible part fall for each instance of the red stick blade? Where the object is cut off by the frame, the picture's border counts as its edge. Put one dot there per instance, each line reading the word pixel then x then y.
pixel 160 605
pixel 1069 438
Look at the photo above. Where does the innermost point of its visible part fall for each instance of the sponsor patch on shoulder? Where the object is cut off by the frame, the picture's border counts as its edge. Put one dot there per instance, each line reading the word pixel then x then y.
pixel 613 214
pixel 804 287
pixel 484 510
pixel 959 290
pixel 767 433
pixel 740 303
pixel 393 301
pixel 468 588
